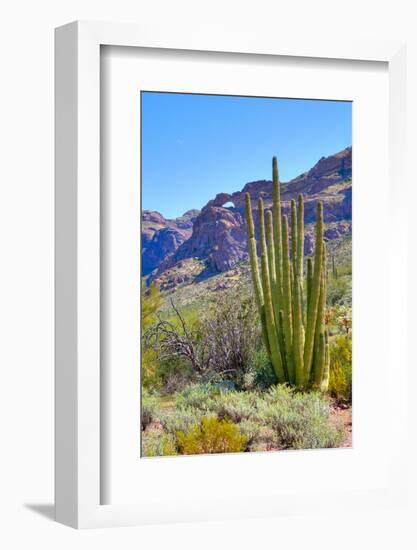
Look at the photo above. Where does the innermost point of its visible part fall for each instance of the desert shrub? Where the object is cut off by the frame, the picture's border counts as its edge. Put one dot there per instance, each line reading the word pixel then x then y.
pixel 155 443
pixel 253 432
pixel 149 408
pixel 151 302
pixel 340 381
pixel 235 406
pixel 211 436
pixel 339 291
pixel 339 319
pixel 299 420
pixel 198 396
pixel 175 375
pixel 230 336
pixel 218 346
pixel 150 369
pixel 263 371
pixel 181 419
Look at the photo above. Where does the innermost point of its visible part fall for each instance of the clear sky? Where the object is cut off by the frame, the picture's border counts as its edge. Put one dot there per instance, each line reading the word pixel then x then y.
pixel 195 146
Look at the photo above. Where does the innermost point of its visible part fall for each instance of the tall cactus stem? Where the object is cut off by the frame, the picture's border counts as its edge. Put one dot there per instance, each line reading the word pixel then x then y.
pixel 298 336
pixel 326 374
pixel 294 237
pixel 276 208
pixel 314 294
pixel 256 279
pixel 269 311
pixel 287 299
pixel 320 361
pixel 271 265
pixel 300 238
pixel 320 323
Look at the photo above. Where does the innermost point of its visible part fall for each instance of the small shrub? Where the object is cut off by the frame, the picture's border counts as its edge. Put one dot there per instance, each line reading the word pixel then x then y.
pixel 235 406
pixel 149 408
pixel 155 443
pixel 339 291
pixel 253 432
pixel 175 375
pixel 211 436
pixel 150 369
pixel 198 396
pixel 299 420
pixel 180 420
pixel 340 381
pixel 230 335
pixel 265 376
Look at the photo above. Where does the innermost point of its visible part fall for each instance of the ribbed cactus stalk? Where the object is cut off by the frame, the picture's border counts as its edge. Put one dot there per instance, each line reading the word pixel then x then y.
pixel 293 319
pixel 287 298
pixel 256 279
pixel 314 296
pixel 334 269
pixel 271 326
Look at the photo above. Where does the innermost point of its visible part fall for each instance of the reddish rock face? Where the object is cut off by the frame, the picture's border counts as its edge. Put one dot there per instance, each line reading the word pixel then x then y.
pixel 217 234
pixel 162 237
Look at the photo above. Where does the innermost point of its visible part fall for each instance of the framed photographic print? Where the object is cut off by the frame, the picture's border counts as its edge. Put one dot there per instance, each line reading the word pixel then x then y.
pixel 222 342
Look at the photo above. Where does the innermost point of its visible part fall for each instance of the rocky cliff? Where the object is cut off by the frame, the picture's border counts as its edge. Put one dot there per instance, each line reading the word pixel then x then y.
pixel 217 235
pixel 162 237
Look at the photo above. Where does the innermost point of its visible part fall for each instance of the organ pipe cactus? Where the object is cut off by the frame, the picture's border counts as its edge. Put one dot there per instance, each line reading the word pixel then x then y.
pixel 292 312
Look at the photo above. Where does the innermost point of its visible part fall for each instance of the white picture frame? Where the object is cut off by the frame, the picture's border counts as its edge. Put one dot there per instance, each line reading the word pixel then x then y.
pixel 78 411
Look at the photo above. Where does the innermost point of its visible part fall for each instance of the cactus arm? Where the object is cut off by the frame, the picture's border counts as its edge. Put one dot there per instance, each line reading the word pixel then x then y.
pixel 271 263
pixel 281 341
pixel 314 294
pixel 256 279
pixel 294 237
pixel 309 282
pixel 326 374
pixel 321 310
pixel 274 290
pixel 286 298
pixel 300 238
pixel 320 361
pixel 269 311
pixel 276 198
pixel 298 336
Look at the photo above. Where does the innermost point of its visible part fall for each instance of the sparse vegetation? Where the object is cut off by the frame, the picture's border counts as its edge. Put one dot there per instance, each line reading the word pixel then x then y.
pixel 208 419
pixel 210 382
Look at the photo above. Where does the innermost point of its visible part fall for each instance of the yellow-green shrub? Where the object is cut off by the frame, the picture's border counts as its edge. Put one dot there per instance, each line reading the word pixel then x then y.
pixel 340 382
pixel 155 443
pixel 211 436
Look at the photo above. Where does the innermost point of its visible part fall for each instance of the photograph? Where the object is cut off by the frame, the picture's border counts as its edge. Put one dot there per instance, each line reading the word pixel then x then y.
pixel 246 274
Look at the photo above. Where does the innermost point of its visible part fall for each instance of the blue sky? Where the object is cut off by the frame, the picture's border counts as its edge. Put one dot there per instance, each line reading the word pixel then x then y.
pixel 195 146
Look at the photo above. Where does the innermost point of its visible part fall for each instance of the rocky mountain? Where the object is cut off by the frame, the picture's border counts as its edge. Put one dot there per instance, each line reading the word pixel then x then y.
pixel 215 238
pixel 162 237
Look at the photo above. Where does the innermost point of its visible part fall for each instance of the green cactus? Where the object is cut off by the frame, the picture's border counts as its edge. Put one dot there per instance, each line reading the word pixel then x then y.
pixel 334 269
pixel 271 326
pixel 293 321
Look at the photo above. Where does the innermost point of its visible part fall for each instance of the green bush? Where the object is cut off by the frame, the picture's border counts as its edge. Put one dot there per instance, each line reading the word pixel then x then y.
pixel 155 443
pixel 149 408
pixel 340 381
pixel 180 420
pixel 339 291
pixel 150 369
pixel 175 375
pixel 198 396
pixel 211 436
pixel 230 336
pixel 299 420
pixel 235 406
pixel 264 373
pixel 253 432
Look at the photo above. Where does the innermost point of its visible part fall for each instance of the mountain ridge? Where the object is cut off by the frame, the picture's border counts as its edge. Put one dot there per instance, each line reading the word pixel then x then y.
pixel 216 235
